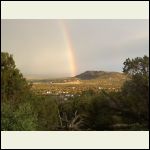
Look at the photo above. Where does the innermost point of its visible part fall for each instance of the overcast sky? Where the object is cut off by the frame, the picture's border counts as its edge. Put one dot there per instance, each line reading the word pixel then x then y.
pixel 38 46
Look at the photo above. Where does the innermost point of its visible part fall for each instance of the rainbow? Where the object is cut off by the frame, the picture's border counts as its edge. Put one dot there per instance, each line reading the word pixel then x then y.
pixel 69 47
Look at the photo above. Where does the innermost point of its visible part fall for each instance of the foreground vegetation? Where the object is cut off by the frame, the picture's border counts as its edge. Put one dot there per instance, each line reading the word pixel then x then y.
pixel 126 109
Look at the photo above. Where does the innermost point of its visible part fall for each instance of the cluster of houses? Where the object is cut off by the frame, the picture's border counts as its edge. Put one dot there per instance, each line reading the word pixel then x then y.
pixel 70 90
pixel 71 93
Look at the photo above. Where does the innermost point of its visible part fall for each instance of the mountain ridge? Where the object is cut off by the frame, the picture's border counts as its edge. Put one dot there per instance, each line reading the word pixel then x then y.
pixel 87 75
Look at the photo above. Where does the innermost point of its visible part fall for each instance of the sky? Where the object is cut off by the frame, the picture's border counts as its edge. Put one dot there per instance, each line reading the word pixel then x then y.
pixel 62 48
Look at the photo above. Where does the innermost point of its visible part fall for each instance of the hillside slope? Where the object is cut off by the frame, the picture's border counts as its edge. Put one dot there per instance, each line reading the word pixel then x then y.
pixel 88 75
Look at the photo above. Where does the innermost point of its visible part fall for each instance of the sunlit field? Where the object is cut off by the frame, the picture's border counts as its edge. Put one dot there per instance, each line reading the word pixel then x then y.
pixel 77 86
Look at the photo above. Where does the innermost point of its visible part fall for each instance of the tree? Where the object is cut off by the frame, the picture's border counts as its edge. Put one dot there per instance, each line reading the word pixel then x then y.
pixel 17 112
pixel 47 113
pixel 13 85
pixel 137 67
pixel 21 119
pixel 135 92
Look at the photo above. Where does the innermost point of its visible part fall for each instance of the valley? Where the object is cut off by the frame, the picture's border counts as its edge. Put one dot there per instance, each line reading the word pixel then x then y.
pixel 75 85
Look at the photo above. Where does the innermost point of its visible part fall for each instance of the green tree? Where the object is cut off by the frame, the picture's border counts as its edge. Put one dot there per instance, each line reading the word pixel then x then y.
pixel 47 113
pixel 135 91
pixel 13 85
pixel 21 119
pixel 137 66
pixel 17 112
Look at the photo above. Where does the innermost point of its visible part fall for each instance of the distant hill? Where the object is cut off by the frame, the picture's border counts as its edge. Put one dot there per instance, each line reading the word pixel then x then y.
pixel 88 75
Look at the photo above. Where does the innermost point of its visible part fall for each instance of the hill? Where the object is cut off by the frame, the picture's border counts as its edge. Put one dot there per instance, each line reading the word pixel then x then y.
pixel 88 75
